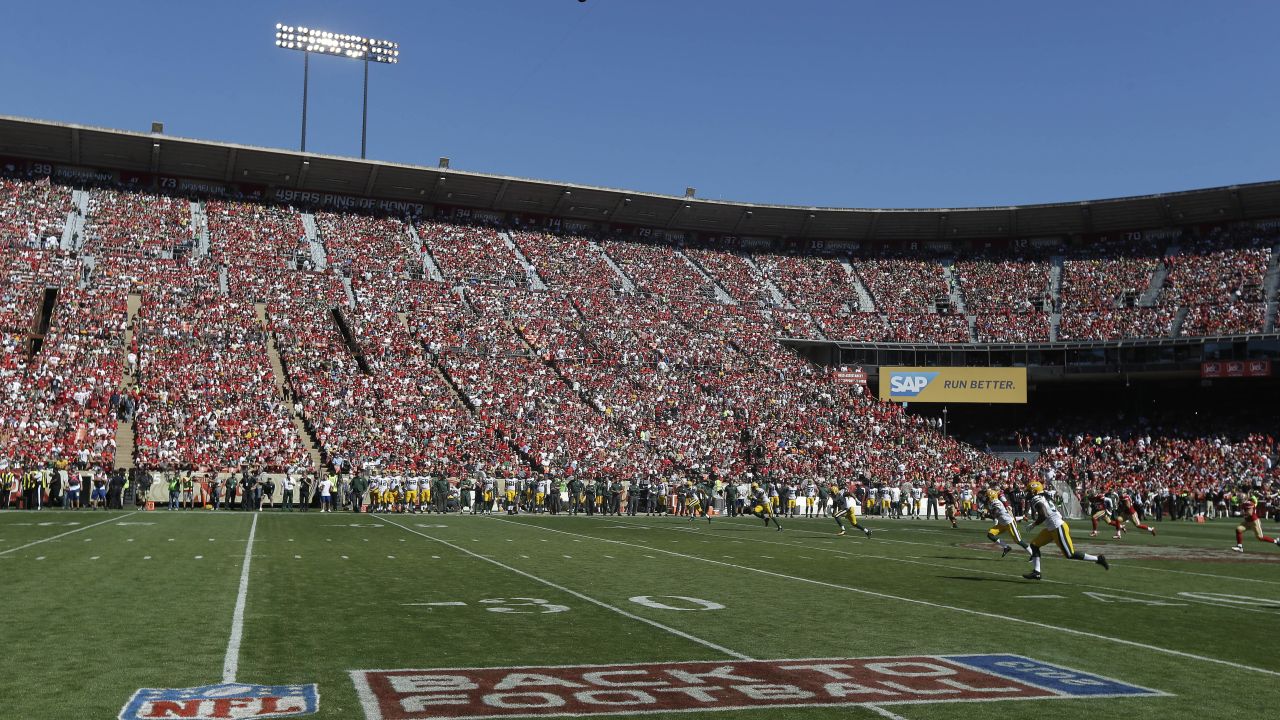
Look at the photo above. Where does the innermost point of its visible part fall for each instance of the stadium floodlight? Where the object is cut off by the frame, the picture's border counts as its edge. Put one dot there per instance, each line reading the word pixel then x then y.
pixel 353 47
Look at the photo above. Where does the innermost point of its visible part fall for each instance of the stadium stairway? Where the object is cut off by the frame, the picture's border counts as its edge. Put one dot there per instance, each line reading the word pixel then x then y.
pixel 1152 293
pixel 779 299
pixel 1055 282
pixel 222 280
pixel 125 430
pixel 319 260
pixel 865 303
pixel 73 233
pixel 277 373
pixel 200 227
pixel 429 267
pixel 425 261
pixel 1272 284
pixel 953 288
pixel 350 292
pixel 1176 329
pixel 530 272
pixel 1055 323
pixel 627 284
pixel 721 296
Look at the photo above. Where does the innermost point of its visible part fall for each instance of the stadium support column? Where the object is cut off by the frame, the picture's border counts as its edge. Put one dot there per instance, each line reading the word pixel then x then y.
pixel 306 76
pixel 364 113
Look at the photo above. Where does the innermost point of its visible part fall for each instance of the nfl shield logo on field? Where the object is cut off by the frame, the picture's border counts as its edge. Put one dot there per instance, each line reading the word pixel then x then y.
pixel 222 702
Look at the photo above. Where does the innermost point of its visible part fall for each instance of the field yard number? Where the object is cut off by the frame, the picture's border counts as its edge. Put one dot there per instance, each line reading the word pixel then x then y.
pixel 1104 597
pixel 1224 599
pixel 649 602
pixel 511 605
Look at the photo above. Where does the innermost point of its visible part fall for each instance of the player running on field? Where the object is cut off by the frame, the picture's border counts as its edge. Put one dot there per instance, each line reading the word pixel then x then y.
pixel 1251 513
pixel 1129 513
pixel 846 507
pixel 760 506
pixel 693 502
pixel 1100 507
pixel 1005 523
pixel 1056 530
pixel 949 505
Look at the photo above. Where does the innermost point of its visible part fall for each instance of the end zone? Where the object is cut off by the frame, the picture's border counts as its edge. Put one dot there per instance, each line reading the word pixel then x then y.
pixel 645 688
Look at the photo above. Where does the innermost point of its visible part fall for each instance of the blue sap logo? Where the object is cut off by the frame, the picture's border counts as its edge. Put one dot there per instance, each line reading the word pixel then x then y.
pixel 909 384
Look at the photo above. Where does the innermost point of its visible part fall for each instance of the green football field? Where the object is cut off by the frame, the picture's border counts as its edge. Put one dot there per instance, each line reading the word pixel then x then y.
pixel 677 619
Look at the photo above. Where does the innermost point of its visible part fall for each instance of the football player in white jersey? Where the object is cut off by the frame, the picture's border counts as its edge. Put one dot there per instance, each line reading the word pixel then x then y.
pixel 411 494
pixel 1005 523
pixel 1056 530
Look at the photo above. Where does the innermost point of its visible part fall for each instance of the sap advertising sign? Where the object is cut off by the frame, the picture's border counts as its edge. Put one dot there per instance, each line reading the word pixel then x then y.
pixel 953 385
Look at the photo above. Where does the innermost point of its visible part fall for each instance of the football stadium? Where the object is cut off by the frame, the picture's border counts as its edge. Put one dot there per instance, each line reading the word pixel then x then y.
pixel 303 434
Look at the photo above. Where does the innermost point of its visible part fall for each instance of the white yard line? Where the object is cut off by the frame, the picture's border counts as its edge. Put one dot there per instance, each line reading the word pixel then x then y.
pixel 1200 574
pixel 679 633
pixel 881 528
pixel 916 561
pixel 69 532
pixel 913 601
pixel 883 713
pixel 231 663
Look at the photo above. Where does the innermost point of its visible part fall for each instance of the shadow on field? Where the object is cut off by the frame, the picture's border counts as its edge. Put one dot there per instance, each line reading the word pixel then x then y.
pixel 979 579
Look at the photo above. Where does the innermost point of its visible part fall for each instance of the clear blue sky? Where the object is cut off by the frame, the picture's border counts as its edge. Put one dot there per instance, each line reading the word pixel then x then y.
pixel 809 102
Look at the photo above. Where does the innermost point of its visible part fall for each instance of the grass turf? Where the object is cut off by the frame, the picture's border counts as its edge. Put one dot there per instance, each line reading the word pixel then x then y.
pixel 104 606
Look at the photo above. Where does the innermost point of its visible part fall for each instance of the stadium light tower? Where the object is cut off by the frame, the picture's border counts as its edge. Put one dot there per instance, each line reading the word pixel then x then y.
pixel 310 40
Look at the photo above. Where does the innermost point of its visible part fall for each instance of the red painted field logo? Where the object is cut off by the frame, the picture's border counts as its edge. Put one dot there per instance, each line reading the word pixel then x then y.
pixel 473 693
pixel 226 701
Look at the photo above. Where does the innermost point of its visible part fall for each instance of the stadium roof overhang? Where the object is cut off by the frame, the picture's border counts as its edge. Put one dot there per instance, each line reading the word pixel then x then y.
pixel 216 162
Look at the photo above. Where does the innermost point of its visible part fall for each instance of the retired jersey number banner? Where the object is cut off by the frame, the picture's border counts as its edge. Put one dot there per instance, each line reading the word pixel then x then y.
pixel 953 385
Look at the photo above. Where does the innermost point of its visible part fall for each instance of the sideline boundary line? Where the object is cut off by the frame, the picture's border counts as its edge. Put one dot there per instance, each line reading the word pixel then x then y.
pixel 69 532
pixel 231 662
pixel 914 601
pixel 679 633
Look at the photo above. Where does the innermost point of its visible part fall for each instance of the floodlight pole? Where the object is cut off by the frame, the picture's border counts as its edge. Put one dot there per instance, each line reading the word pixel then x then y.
pixel 306 77
pixel 364 116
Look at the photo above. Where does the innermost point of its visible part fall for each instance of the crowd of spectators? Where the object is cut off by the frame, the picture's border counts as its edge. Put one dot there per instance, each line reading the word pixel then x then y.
pixel 482 376
pixel 566 262
pixel 1235 318
pixel 257 235
pixel 466 253
pixel 1165 470
pixel 32 212
pixel 1011 327
pixel 1224 267
pixel 359 244
pixel 1116 324
pixel 57 389
pixel 860 326
pixel 903 285
pixel 736 276
pixel 208 399
pixel 929 328
pixel 990 285
pixel 137 223
pixel 813 283
pixel 1106 279
pixel 658 270
pixel 24 275
pixel 800 324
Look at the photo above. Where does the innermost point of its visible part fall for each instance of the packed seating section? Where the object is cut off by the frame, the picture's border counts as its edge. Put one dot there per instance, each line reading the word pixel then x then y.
pixel 481 375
